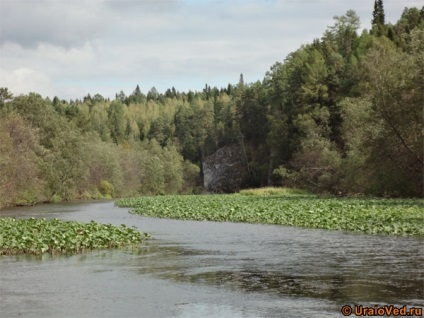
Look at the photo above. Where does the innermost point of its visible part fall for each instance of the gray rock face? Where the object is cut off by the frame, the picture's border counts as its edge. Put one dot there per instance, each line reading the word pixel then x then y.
pixel 222 171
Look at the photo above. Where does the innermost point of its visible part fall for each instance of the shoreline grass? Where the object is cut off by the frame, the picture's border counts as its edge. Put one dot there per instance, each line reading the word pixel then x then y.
pixel 38 236
pixel 367 215
pixel 273 191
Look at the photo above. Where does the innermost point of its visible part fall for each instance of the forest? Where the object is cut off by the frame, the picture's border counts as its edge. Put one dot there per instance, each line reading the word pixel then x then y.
pixel 341 115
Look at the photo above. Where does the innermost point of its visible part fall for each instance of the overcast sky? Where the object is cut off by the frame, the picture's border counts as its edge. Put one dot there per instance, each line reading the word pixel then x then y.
pixel 73 47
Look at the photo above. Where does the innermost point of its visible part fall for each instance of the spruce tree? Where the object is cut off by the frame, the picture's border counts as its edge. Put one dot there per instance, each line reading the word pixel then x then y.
pixel 381 15
pixel 374 20
pixel 378 18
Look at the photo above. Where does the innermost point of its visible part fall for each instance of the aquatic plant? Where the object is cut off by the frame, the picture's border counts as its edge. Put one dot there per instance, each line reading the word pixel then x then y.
pixel 37 236
pixel 368 215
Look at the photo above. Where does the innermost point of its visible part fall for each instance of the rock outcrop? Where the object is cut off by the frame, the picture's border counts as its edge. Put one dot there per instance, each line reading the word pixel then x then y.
pixel 223 170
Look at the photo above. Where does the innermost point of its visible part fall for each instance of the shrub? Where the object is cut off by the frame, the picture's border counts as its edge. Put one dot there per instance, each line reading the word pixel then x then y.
pixel 106 189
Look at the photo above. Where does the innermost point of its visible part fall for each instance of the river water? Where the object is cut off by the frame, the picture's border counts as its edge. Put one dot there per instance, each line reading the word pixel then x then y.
pixel 209 269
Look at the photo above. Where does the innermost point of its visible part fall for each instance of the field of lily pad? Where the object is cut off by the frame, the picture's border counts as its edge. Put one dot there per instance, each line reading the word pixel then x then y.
pixel 367 215
pixel 37 236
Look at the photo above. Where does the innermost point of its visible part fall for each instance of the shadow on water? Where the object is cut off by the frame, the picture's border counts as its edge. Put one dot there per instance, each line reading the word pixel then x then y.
pixel 340 289
pixel 180 264
pixel 339 286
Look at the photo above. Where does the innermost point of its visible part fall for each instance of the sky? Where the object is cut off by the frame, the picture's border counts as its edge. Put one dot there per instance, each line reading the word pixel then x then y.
pixel 69 48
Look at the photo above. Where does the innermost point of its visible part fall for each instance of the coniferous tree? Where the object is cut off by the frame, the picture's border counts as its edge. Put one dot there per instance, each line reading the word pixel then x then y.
pixel 378 18
pixel 381 16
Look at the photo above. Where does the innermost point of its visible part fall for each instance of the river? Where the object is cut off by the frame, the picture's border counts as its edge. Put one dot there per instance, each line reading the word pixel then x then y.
pixel 209 269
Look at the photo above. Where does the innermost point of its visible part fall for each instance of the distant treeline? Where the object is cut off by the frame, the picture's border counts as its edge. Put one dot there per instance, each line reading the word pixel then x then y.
pixel 342 115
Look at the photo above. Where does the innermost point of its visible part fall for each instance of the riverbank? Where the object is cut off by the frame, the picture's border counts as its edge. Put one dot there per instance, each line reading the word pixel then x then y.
pixel 55 200
pixel 367 215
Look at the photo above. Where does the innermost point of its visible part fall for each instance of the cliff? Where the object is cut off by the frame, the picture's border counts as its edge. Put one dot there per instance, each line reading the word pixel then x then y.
pixel 222 171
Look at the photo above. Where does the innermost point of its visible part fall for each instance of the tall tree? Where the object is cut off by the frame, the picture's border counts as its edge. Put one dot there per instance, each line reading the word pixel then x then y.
pixel 20 178
pixel 389 126
pixel 344 31
pixel 137 96
pixel 153 94
pixel 381 17
pixel 117 122
pixel 378 18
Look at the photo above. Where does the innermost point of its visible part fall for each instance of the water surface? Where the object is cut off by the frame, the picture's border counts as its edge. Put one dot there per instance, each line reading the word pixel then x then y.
pixel 209 269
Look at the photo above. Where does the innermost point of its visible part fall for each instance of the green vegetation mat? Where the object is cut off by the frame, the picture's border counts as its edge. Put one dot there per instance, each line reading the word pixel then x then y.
pixel 37 236
pixel 373 216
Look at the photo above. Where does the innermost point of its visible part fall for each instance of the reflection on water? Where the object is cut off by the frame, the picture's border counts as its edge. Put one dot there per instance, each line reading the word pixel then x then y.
pixel 208 269
pixel 340 289
pixel 204 268
pixel 206 310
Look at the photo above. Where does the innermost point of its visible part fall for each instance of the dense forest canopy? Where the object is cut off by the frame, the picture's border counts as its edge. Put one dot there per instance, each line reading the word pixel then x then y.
pixel 342 115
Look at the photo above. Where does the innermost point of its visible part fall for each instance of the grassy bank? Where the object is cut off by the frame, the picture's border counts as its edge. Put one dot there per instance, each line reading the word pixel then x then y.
pixel 373 216
pixel 37 236
pixel 273 191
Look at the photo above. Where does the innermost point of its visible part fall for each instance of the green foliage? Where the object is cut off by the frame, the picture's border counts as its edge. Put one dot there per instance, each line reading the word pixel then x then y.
pixel 64 150
pixel 56 198
pixel 327 141
pixel 104 163
pixel 342 114
pixel 373 216
pixel 5 95
pixel 344 31
pixel 193 126
pixel 38 236
pixel 117 123
pixel 410 20
pixel 64 164
pixel 191 174
pixel 378 18
pixel 20 175
pixel 394 86
pixel 162 130
pixel 316 160
pixel 99 121
pixel 252 111
pixel 106 189
pixel 173 169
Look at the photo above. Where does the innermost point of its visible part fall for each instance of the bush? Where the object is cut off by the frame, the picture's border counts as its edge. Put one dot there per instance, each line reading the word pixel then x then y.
pixel 56 198
pixel 106 189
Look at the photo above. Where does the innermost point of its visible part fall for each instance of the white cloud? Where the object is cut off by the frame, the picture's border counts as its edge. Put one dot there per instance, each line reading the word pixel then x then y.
pixel 47 53
pixel 102 47
pixel 25 80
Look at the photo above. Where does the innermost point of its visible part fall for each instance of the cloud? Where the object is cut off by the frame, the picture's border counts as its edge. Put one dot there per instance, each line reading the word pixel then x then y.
pixel 103 46
pixel 64 23
pixel 25 80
